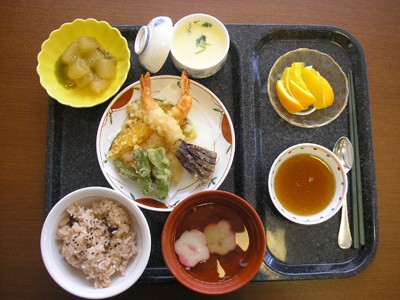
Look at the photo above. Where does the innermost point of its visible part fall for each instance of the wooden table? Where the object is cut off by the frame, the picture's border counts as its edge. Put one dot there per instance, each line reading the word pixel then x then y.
pixel 23 120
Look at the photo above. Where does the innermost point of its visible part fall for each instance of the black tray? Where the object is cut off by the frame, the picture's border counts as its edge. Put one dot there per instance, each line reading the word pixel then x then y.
pixel 294 251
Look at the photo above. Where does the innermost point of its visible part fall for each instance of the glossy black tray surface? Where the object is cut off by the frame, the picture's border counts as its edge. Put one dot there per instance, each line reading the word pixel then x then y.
pixel 293 251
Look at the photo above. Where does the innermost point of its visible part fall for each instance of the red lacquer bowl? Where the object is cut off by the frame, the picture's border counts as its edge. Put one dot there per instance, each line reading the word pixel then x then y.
pixel 220 274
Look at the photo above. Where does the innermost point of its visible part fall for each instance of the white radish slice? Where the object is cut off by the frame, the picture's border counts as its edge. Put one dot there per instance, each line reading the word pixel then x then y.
pixel 105 68
pixel 71 53
pixel 98 85
pixel 78 68
pixel 87 44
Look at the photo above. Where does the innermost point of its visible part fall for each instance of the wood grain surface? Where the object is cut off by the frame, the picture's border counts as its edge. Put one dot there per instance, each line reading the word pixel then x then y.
pixel 23 124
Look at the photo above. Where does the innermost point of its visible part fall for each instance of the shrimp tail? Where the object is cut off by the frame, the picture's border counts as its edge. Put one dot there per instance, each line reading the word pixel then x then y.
pixel 181 109
pixel 147 102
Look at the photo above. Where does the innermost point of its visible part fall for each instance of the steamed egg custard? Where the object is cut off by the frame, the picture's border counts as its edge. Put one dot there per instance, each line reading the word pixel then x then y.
pixel 199 44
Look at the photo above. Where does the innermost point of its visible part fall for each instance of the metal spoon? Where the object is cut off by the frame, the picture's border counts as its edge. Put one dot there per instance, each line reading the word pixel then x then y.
pixel 344 151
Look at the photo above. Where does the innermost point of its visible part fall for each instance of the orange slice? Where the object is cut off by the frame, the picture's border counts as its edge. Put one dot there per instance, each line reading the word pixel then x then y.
pixel 319 87
pixel 285 77
pixel 329 95
pixel 315 86
pixel 296 74
pixel 289 103
pixel 303 96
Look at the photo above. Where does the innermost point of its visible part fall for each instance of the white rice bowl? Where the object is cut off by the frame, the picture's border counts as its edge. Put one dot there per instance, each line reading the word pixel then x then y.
pixel 74 280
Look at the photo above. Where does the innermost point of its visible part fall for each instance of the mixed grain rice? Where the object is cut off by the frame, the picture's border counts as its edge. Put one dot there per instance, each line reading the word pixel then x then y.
pixel 98 240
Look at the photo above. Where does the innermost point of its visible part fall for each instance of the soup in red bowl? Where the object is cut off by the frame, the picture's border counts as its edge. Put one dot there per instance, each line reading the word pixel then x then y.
pixel 213 242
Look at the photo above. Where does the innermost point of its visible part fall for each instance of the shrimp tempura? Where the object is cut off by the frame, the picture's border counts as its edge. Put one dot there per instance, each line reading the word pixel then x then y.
pixel 165 125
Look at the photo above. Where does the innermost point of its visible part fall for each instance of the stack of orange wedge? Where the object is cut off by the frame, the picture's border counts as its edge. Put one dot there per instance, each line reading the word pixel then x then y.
pixel 301 86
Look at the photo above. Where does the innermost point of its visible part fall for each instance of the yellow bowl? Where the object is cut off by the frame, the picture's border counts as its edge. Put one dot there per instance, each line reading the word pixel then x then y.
pixel 108 37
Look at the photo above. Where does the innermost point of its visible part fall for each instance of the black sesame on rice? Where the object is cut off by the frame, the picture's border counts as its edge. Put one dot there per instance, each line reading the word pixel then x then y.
pixel 92 227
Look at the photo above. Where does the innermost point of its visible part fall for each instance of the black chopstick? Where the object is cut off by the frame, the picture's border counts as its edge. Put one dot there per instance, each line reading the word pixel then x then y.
pixel 356 234
pixel 358 214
